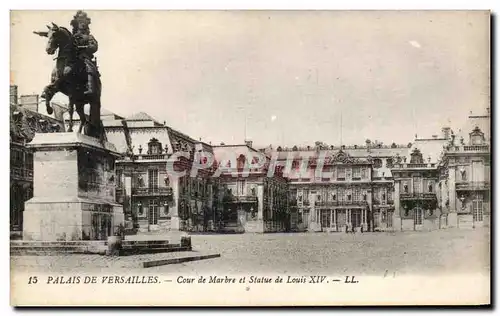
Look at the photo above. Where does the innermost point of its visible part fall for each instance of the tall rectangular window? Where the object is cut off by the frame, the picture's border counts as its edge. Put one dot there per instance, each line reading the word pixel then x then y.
pixel 240 188
pixel 477 208
pixel 477 171
pixel 153 178
pixel 357 194
pixel 153 212
pixel 417 185
pixel 364 173
pixel 356 173
pixel 340 173
pixel 341 194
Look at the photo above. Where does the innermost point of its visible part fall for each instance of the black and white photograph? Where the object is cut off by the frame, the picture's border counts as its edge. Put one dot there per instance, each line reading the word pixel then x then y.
pixel 250 157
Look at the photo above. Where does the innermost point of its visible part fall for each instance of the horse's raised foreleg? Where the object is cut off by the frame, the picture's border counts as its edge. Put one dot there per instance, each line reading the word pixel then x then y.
pixel 71 110
pixel 47 94
pixel 81 114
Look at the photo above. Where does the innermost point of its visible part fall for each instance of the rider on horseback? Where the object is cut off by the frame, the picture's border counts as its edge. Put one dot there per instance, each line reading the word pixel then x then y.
pixel 86 46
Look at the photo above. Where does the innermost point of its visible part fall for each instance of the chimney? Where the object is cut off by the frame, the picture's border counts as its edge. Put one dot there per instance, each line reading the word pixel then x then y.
pixel 434 136
pixel 446 132
pixel 29 102
pixel 13 94
pixel 249 143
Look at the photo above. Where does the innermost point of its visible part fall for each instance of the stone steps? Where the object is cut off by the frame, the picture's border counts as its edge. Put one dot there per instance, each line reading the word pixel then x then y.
pixel 129 247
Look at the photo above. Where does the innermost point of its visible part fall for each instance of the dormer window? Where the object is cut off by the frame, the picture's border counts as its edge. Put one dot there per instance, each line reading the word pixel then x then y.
pixel 416 156
pixel 154 147
pixel 476 137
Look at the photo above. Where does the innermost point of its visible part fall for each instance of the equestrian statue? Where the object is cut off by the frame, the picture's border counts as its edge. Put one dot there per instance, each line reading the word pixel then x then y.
pixel 75 74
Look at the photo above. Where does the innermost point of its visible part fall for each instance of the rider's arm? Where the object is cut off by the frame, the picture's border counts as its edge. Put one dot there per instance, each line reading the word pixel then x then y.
pixel 92 45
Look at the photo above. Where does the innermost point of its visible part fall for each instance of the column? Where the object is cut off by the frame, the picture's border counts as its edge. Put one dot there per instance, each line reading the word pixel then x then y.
pixel 174 208
pixel 331 219
pixel 348 217
pixel 334 220
pixel 260 208
pixel 396 219
pixel 452 216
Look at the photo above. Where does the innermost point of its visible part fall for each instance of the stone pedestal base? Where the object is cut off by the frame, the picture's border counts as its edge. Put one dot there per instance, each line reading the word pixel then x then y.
pixel 70 220
pixel 73 189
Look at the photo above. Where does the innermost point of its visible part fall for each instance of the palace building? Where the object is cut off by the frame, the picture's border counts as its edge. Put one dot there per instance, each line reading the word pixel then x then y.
pixel 431 183
pixel 251 201
pixel 25 121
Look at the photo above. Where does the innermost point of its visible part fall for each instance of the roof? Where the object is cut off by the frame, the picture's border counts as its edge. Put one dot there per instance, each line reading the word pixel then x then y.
pixel 141 116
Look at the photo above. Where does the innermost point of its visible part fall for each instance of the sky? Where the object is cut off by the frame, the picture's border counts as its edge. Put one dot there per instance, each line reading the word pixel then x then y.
pixel 279 77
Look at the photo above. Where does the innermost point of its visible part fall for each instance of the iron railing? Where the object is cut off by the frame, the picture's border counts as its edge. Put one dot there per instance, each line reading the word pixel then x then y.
pixel 151 191
pixel 472 185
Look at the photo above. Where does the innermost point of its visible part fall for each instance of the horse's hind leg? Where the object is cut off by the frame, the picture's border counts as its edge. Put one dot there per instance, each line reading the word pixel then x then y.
pixel 81 114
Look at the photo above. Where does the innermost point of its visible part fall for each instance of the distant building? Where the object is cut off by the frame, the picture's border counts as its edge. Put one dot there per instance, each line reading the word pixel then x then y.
pixel 464 175
pixel 251 201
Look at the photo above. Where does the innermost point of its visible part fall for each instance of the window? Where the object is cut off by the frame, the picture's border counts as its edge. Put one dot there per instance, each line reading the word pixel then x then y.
pixel 240 189
pixel 477 171
pixel 364 173
pixel 477 208
pixel 153 212
pixel 389 219
pixel 341 194
pixel 430 188
pixel 417 216
pixel 341 173
pixel 377 163
pixel 356 173
pixel 153 178
pixel 357 194
pixel 389 163
pixel 417 185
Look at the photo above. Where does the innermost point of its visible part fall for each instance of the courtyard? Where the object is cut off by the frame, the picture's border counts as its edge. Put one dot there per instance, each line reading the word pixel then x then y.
pixel 450 251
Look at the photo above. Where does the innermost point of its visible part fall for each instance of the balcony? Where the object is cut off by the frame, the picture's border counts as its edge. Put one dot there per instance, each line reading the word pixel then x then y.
pixel 383 202
pixel 21 174
pixel 415 166
pixel 245 199
pixel 470 148
pixel 472 186
pixel 159 191
pixel 417 196
pixel 341 203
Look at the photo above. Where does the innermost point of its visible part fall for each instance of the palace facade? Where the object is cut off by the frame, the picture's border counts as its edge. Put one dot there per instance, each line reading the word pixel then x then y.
pixel 431 183
pixel 25 121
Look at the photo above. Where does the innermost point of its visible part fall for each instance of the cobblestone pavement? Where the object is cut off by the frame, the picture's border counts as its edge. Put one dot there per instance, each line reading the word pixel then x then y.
pixel 445 251
pixel 437 252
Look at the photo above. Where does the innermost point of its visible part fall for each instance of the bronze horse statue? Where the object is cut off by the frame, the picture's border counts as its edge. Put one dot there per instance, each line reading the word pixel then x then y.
pixel 69 78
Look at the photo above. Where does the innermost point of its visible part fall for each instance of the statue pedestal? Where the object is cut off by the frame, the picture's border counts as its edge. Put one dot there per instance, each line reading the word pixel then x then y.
pixel 73 189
